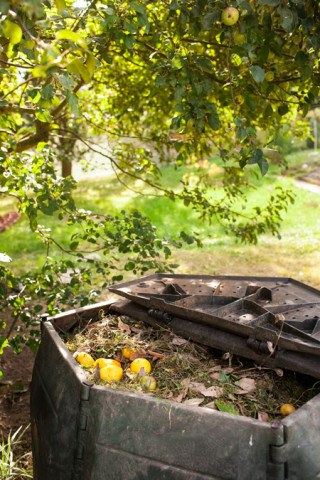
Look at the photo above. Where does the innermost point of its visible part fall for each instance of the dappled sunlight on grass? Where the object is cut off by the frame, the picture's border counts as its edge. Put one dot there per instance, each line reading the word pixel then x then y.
pixel 296 255
pixel 269 258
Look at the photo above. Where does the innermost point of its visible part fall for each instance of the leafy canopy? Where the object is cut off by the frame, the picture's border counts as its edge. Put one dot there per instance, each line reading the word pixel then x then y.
pixel 171 79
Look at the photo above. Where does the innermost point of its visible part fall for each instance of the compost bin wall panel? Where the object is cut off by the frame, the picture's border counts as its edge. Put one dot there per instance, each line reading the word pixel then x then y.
pixel 123 465
pixel 55 395
pixel 302 435
pixel 194 439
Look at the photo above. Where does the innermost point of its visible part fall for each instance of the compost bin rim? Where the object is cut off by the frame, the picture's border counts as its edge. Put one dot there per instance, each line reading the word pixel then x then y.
pixel 135 280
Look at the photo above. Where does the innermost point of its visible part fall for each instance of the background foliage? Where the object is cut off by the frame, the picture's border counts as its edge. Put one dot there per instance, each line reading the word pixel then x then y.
pixel 164 82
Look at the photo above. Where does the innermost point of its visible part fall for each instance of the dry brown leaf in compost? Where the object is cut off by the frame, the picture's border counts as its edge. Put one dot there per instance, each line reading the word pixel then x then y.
pixel 138 354
pixel 228 370
pixel 155 354
pixel 211 405
pixel 82 349
pixel 96 373
pixel 246 385
pixel 178 341
pixel 193 401
pixel 191 358
pixel 263 416
pixel 124 327
pixel 185 382
pixel 279 372
pixel 216 368
pixel 138 331
pixel 196 386
pixel 142 372
pixel 215 392
pixel 215 376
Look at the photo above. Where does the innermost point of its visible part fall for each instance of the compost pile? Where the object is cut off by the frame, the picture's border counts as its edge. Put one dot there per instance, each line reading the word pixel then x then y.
pixel 184 371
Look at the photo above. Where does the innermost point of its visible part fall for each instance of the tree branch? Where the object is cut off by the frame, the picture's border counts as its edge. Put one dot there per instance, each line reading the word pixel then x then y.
pixel 64 102
pixel 16 88
pixel 13 109
pixel 112 160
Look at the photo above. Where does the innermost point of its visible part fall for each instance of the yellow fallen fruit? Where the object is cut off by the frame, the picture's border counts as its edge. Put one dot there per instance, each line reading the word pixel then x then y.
pixel 287 409
pixel 111 373
pixel 139 363
pixel 127 352
pixel 105 362
pixel 85 359
pixel 148 382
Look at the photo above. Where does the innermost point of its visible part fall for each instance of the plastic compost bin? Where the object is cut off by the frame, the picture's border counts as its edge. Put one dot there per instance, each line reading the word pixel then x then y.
pixel 81 431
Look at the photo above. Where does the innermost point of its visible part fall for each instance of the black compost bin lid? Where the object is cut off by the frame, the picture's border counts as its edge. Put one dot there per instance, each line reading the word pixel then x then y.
pixel 272 320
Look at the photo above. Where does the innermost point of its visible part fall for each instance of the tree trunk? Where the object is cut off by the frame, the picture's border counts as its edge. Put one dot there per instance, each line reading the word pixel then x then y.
pixel 66 150
pixel 66 168
pixel 315 133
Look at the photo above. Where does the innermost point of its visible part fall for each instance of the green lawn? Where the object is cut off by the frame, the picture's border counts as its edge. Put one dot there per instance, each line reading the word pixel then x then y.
pixel 296 255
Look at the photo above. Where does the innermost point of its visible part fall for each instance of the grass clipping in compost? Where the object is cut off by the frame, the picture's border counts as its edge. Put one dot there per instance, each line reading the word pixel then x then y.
pixel 189 373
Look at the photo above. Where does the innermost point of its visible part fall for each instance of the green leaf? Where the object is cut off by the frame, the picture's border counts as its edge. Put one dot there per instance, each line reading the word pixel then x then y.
pixel 12 31
pixel 210 19
pixel 287 18
pixel 257 157
pixel 178 93
pixel 73 36
pixel 78 67
pixel 60 5
pixel 117 278
pixel 129 41
pixel 129 266
pixel 144 22
pixel 65 81
pixel 72 100
pixel 268 111
pixel 48 92
pixel 257 73
pixel 37 308
pixel 301 59
pixel 204 63
pixel 74 245
pixel 137 8
pixel 49 208
pixel 107 10
pixel 283 109
pixel 250 102
pixel 306 72
pixel 271 3
pixel 307 25
pixel 130 27
pixel 242 133
pixel 44 116
pixel 226 407
pixel 91 63
pixel 108 22
pixel 3 343
pixel 174 5
pixel 214 121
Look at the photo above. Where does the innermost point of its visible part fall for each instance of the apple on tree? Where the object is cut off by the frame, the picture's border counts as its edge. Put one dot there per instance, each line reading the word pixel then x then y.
pixel 230 16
